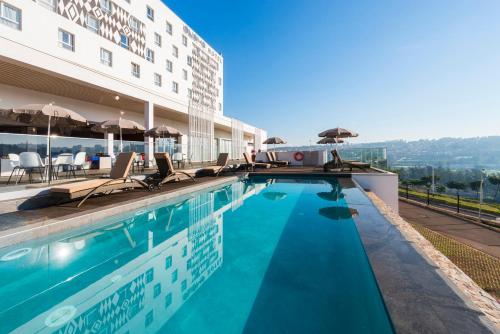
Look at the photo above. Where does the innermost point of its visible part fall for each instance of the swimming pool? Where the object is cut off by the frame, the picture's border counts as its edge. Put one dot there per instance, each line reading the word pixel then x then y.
pixel 257 255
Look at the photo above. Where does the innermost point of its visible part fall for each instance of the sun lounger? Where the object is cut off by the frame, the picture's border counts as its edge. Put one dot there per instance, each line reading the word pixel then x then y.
pixel 249 164
pixel 221 163
pixel 338 162
pixel 118 180
pixel 271 157
pixel 166 171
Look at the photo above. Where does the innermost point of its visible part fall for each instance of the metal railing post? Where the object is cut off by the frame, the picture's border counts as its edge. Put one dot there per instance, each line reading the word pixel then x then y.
pixel 458 203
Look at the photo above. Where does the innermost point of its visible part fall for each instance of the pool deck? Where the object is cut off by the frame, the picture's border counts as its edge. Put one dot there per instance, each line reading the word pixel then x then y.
pixel 419 294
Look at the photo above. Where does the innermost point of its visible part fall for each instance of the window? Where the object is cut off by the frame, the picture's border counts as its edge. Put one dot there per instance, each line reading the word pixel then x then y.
pixel 175 275
pixel 157 80
pixel 136 70
pixel 169 28
pixel 106 57
pixel 168 299
pixel 175 87
pixel 124 41
pixel 220 106
pixel 220 81
pixel 175 51
pixel 66 40
pixel 49 4
pixel 150 13
pixel 10 15
pixel 157 39
pixel 134 24
pixel 184 40
pixel 92 23
pixel 189 60
pixel 150 55
pixel 170 66
pixel 105 6
pixel 185 74
pixel 190 93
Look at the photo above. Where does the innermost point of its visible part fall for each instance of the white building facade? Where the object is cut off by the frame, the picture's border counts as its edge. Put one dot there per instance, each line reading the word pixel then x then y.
pixel 102 58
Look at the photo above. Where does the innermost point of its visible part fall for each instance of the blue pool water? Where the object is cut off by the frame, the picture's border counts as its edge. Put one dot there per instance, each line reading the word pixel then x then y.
pixel 254 256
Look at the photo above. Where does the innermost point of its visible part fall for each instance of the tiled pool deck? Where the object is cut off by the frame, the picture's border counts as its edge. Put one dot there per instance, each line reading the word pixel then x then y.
pixel 423 291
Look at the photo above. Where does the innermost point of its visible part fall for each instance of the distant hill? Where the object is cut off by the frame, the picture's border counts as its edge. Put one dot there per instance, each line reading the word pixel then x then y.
pixel 480 152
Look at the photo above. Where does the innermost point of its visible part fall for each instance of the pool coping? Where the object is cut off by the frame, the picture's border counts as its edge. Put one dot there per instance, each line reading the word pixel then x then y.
pixel 88 218
pixel 462 285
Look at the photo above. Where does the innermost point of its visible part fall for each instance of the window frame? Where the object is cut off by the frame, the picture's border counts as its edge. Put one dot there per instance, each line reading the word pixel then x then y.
pixel 91 28
pixel 175 87
pixel 134 73
pixel 158 83
pixel 104 61
pixel 150 13
pixel 127 45
pixel 150 59
pixel 170 66
pixel 64 45
pixel 7 20
pixel 158 39
pixel 106 9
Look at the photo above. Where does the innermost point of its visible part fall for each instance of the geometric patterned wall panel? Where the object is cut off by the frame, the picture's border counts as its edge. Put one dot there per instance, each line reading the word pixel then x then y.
pixel 111 25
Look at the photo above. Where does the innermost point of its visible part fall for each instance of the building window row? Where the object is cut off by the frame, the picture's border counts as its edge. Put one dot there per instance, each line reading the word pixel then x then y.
pixel 10 15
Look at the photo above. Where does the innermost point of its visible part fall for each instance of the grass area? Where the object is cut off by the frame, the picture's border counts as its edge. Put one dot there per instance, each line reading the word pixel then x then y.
pixel 466 203
pixel 482 268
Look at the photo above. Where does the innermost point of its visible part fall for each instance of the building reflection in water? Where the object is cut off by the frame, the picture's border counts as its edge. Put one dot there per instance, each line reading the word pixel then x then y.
pixel 132 275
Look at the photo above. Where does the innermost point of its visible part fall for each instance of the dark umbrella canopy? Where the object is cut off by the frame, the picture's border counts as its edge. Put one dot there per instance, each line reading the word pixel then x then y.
pixel 338 212
pixel 330 140
pixel 163 131
pixel 338 133
pixel 274 140
pixel 274 195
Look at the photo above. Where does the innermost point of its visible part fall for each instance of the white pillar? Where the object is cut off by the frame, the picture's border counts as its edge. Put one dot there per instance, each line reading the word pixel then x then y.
pixel 109 139
pixel 148 124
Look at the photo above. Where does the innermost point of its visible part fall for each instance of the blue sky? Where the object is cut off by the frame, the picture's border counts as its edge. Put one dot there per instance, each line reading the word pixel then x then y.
pixel 387 69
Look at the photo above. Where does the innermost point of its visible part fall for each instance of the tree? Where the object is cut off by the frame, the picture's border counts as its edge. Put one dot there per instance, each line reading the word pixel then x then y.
pixel 494 179
pixel 440 188
pixel 475 186
pixel 457 185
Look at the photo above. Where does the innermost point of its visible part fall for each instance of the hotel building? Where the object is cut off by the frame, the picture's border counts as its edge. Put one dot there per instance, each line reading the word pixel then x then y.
pixel 103 58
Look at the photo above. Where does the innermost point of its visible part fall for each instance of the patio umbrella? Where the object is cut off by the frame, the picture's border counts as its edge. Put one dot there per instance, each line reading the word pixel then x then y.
pixel 163 131
pixel 121 126
pixel 338 212
pixel 274 195
pixel 274 141
pixel 330 140
pixel 338 133
pixel 46 114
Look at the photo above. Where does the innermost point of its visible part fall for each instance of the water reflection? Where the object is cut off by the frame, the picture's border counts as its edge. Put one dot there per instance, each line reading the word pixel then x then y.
pixel 132 275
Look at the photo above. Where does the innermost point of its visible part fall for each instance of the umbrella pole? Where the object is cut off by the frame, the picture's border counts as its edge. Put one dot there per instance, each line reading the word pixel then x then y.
pixel 121 141
pixel 49 153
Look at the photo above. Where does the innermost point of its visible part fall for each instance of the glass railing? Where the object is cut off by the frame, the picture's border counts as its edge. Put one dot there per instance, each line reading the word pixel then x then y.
pixel 376 156
pixel 17 143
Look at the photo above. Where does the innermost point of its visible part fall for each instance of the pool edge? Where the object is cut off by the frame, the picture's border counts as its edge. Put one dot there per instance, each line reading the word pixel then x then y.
pixel 82 219
pixel 476 299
